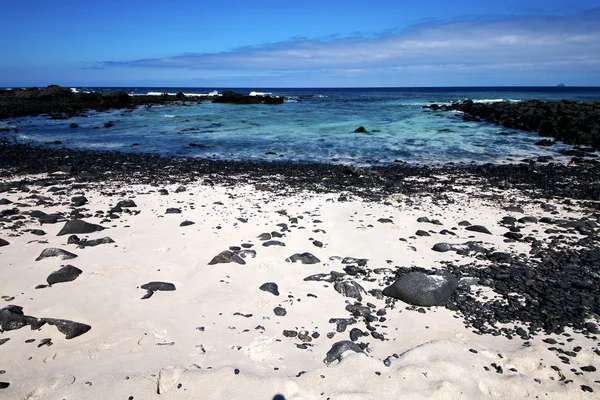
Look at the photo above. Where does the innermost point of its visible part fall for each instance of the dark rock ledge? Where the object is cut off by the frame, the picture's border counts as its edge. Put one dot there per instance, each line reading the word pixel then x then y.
pixel 60 102
pixel 567 121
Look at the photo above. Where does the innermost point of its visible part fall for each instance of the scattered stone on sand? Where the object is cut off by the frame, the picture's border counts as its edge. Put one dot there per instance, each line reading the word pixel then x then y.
pixel 12 317
pixel 478 228
pixel 78 201
pixel 126 204
pixel 338 350
pixel 66 273
pixel 321 278
pixel 70 329
pixel 279 311
pixel 304 258
pixel 3 243
pixel 420 289
pixel 270 287
pixel 264 236
pixel 54 252
pixel 94 242
pixel 349 289
pixel 442 247
pixel 79 226
pixel 152 287
pixel 273 243
pixel 186 223
pixel 225 257
pixel 173 210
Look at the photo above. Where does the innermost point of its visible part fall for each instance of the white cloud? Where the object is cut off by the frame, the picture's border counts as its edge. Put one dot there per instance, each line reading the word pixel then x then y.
pixel 526 43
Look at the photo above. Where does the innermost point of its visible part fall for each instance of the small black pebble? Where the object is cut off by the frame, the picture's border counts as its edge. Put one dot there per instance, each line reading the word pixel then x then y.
pixel 236 371
pixel 586 388
pixel 4 385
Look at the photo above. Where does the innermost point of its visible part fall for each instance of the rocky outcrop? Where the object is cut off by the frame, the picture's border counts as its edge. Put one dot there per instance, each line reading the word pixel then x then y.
pixel 566 121
pixel 237 98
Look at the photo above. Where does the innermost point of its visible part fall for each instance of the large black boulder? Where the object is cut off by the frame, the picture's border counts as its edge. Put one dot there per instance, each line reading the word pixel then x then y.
pixel 420 289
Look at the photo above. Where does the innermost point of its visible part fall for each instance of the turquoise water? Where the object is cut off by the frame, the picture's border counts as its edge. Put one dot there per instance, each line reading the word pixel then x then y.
pixel 313 125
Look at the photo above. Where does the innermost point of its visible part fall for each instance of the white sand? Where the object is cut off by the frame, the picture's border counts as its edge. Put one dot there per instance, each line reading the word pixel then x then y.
pixel 133 342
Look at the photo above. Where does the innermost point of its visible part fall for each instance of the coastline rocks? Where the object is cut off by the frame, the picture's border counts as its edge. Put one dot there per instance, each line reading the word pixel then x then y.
pixel 227 96
pixel 420 289
pixel 339 349
pixel 304 258
pixel 66 273
pixel 360 129
pixel 79 226
pixel 54 252
pixel 567 121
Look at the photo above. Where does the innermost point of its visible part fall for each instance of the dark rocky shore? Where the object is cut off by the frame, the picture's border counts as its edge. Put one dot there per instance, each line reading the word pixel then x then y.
pixel 60 102
pixel 539 180
pixel 566 121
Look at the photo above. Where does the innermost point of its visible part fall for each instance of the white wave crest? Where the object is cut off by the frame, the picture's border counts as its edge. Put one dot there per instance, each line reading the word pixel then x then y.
pixel 253 93
pixel 213 93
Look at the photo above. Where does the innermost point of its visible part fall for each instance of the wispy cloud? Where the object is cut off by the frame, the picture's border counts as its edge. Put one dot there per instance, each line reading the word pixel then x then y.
pixel 526 43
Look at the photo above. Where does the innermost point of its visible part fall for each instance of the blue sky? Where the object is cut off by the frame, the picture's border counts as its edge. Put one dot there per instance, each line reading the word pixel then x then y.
pixel 243 43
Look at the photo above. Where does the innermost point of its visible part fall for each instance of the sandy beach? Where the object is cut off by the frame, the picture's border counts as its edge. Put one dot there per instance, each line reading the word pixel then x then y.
pixel 210 328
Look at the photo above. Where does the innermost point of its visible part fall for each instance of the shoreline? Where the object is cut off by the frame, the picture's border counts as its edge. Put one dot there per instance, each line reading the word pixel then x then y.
pixel 544 178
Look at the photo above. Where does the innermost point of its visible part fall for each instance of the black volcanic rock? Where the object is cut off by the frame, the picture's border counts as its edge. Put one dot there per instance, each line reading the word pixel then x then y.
pixel 349 289
pixel 270 287
pixel 12 317
pixel 54 252
pixel 567 121
pixel 66 273
pixel 70 329
pixel 478 228
pixel 337 351
pixel 79 226
pixel 158 286
pixel 152 287
pixel 225 257
pixel 304 258
pixel 420 289
pixel 3 242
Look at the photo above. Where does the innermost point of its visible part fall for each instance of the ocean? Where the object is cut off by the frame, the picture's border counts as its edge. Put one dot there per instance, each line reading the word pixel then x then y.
pixel 312 125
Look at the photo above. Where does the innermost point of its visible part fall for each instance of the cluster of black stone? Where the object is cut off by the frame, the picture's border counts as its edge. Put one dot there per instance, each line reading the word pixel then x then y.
pixel 62 103
pixel 537 181
pixel 566 121
pixel 558 288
